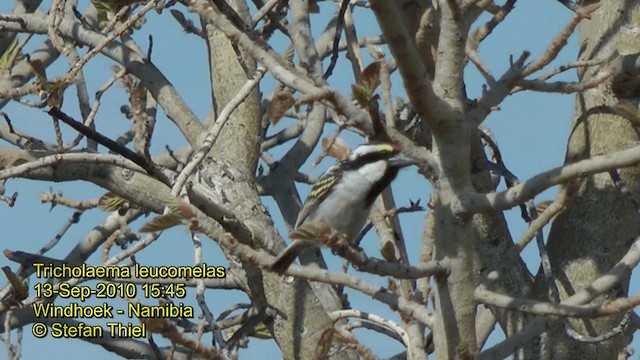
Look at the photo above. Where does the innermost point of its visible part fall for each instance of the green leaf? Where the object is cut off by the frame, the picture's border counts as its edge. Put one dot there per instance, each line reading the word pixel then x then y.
pixel 4 59
pixel 111 202
pixel 162 222
pixel 179 207
pixel 180 213
pixel 362 94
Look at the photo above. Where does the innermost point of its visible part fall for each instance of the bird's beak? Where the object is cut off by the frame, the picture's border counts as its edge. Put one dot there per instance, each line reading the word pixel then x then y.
pixel 401 160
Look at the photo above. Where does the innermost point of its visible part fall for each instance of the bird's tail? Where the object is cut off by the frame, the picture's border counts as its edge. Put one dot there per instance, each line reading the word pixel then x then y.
pixel 289 255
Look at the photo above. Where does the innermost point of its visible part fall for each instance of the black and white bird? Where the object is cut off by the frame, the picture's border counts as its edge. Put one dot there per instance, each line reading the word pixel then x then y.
pixel 343 196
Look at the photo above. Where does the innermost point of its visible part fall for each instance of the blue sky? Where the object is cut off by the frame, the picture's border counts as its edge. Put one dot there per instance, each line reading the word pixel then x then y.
pixel 531 128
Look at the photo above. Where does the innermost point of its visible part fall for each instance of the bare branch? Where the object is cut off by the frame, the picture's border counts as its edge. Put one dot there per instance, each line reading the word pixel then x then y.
pixel 350 313
pixel 22 169
pixel 336 41
pixel 565 87
pixel 541 308
pixel 280 70
pixel 563 198
pixel 484 31
pixel 413 71
pixel 556 45
pixel 598 287
pixel 474 202
pixel 171 102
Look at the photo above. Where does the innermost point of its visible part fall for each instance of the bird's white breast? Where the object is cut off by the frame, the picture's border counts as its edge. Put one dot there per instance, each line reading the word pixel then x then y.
pixel 346 210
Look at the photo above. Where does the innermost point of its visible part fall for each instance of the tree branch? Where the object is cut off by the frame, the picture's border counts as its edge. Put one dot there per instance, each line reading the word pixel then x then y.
pixel 477 203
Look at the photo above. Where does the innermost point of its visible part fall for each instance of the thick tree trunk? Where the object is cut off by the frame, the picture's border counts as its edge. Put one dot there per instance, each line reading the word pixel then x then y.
pixel 295 307
pixel 599 225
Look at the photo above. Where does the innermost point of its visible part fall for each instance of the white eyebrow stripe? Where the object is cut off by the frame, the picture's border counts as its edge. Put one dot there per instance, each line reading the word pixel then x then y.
pixel 365 149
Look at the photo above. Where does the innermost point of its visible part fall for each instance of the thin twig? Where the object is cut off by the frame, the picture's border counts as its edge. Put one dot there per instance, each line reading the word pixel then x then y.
pixel 351 313
pixel 563 198
pixel 264 11
pixel 564 87
pixel 336 39
pixel 282 136
pixel 482 68
pixel 132 20
pixel 552 289
pixel 200 288
pixel 149 166
pixel 572 65
pixel 556 45
pixel 73 219
pixel 56 15
pixel 89 120
pixel 616 330
pixel 353 48
pixel 483 32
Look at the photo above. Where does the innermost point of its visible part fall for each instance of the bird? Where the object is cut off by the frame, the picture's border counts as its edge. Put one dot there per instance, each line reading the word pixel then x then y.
pixel 342 197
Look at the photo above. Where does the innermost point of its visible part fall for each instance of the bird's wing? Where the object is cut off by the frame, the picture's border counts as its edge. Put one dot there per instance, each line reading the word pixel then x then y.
pixel 320 190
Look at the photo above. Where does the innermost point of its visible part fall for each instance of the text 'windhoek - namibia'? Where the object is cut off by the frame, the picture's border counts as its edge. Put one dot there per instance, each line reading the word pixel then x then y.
pixel 73 310
pixel 124 272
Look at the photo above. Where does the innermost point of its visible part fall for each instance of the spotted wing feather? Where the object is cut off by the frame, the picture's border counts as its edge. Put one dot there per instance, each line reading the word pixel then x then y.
pixel 321 189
